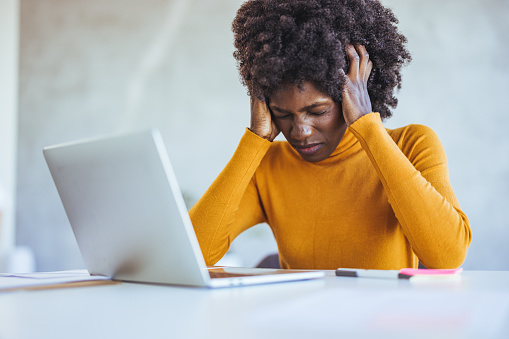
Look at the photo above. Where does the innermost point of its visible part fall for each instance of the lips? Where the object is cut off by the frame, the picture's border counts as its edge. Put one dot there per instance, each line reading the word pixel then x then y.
pixel 308 149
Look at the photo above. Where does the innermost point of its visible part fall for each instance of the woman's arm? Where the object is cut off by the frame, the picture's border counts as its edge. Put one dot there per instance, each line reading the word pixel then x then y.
pixel 231 204
pixel 414 174
pixel 415 177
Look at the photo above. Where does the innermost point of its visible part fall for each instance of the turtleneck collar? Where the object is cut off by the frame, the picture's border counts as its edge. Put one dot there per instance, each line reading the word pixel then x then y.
pixel 347 141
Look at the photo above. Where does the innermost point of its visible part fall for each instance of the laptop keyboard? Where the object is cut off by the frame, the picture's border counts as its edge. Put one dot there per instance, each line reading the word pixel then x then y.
pixel 222 274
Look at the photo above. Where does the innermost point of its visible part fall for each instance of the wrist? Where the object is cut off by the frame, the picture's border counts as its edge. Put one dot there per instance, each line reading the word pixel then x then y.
pixel 351 120
pixel 366 120
pixel 262 135
pixel 259 135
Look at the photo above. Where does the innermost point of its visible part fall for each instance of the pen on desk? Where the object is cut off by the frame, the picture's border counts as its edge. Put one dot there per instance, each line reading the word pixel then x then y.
pixel 404 273
pixel 361 273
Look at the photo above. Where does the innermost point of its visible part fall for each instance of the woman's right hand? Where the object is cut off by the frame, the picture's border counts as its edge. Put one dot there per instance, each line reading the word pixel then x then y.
pixel 262 123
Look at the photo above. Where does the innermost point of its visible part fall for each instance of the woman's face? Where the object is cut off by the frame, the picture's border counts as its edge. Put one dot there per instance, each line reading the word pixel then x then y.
pixel 309 119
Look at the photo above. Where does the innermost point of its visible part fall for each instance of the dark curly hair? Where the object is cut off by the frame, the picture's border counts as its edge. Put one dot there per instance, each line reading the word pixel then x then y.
pixel 292 41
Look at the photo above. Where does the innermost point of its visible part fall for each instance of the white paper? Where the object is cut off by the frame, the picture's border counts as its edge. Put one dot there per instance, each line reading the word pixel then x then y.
pixel 10 281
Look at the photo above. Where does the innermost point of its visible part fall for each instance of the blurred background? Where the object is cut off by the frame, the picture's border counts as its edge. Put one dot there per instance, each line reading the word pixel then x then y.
pixel 74 69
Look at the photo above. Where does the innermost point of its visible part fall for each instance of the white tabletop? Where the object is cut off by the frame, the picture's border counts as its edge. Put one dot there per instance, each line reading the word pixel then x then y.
pixel 474 305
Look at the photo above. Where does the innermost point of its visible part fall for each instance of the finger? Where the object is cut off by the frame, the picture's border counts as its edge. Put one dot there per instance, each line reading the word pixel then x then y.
pixel 369 68
pixel 254 102
pixel 267 104
pixel 347 80
pixel 354 59
pixel 258 105
pixel 363 61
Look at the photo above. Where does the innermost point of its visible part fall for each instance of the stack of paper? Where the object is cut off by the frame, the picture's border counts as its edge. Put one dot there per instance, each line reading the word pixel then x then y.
pixel 41 280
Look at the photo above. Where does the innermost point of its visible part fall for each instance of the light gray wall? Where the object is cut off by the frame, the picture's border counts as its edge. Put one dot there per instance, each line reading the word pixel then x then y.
pixel 9 31
pixel 95 67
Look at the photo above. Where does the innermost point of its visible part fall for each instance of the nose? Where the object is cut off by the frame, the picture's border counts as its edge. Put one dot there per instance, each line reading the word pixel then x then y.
pixel 300 130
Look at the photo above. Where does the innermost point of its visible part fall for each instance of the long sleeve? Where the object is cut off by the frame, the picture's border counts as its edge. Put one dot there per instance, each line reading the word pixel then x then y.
pixel 231 204
pixel 414 173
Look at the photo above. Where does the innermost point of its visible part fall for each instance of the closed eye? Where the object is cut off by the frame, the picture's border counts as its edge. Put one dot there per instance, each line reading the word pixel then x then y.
pixel 318 113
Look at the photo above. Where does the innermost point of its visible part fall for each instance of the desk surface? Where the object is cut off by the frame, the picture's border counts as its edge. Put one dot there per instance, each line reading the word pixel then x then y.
pixel 474 305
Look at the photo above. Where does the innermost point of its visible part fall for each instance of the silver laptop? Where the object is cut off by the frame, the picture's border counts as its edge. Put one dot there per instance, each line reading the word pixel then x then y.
pixel 129 218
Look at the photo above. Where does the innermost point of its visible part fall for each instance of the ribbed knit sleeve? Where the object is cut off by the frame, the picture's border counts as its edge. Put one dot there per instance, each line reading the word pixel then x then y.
pixel 231 203
pixel 414 173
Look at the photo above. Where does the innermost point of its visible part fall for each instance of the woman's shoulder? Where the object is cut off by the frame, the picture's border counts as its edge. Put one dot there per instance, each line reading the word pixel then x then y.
pixel 413 133
pixel 414 139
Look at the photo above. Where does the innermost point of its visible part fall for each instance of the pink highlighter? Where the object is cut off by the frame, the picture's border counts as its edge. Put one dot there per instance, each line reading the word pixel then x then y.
pixel 405 273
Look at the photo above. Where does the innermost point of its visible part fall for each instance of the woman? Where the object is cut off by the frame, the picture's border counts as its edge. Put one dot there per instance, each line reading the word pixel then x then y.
pixel 343 191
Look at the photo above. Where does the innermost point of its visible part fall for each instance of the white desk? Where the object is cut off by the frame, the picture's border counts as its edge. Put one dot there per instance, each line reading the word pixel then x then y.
pixel 474 306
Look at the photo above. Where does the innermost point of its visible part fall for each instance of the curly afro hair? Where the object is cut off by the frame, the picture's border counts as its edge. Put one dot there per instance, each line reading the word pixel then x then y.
pixel 292 41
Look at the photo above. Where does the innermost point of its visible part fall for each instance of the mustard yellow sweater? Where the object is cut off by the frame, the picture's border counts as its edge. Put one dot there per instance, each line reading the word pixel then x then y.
pixel 382 200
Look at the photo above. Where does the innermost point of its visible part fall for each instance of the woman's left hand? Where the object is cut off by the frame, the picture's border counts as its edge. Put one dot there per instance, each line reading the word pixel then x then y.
pixel 356 102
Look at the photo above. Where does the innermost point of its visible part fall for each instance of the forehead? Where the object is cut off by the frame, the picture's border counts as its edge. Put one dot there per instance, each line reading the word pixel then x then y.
pixel 291 95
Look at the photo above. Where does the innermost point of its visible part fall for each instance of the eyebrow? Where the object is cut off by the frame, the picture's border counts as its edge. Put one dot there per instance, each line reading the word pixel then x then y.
pixel 313 105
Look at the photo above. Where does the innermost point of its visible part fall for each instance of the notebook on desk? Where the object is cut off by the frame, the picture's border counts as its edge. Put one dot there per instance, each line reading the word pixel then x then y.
pixel 130 221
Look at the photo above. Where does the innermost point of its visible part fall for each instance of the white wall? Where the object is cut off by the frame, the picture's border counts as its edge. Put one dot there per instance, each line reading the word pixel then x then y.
pixel 8 123
pixel 91 67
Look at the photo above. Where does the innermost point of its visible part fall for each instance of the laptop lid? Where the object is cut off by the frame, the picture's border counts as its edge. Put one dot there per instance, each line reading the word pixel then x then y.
pixel 127 213
pixel 120 195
